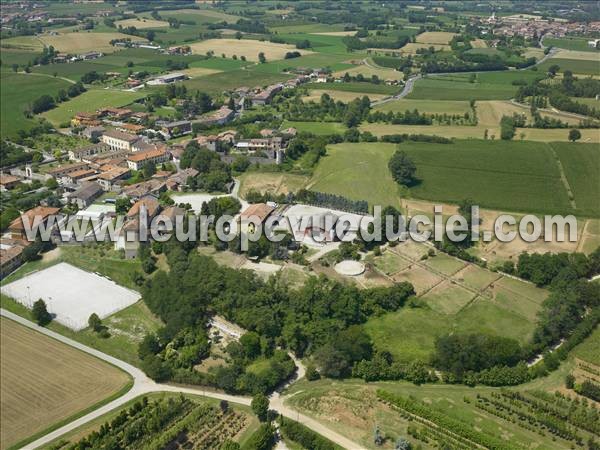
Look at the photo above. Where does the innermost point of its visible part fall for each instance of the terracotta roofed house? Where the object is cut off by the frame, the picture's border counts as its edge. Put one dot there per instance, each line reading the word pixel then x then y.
pixel 255 211
pixel 138 160
pixel 39 215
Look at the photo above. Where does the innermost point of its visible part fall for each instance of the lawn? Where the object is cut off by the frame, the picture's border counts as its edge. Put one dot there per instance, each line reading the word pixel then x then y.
pixel 426 106
pixel 319 128
pixel 243 47
pixel 447 298
pixel 359 172
pixel 45 382
pixel 90 101
pixel 18 91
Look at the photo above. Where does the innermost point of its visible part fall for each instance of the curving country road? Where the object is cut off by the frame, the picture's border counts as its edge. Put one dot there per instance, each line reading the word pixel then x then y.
pixel 143 385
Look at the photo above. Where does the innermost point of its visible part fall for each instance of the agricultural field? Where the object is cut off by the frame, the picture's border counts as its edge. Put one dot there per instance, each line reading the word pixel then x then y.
pixel 454 131
pixel 319 43
pixel 18 91
pixel 357 171
pixel 219 82
pixel 507 176
pixel 199 422
pixel 332 62
pixel 487 86
pixel 368 71
pixel 354 409
pixel 435 37
pixel 362 87
pixel 60 381
pixel 427 106
pixel 318 128
pixel 90 101
pixel 272 182
pixel 141 23
pixel 200 16
pixel 412 48
pixel 83 42
pixel 343 96
pixel 244 47
pixel 23 43
pixel 570 43
pixel 580 66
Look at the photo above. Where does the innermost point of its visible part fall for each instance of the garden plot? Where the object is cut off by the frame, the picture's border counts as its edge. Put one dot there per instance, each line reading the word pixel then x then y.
pixel 71 294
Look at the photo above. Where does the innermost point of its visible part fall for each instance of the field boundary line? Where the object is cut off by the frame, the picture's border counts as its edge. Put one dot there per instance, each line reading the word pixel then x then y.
pixel 563 177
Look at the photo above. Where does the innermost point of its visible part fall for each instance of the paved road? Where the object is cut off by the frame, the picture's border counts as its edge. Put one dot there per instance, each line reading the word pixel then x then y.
pixel 143 385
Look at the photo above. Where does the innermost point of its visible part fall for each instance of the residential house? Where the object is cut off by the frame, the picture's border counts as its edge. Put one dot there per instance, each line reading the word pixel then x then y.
pixel 90 55
pixel 115 113
pixel 265 96
pixel 169 78
pixel 118 140
pixel 86 194
pixel 79 176
pixel 63 170
pixel 138 160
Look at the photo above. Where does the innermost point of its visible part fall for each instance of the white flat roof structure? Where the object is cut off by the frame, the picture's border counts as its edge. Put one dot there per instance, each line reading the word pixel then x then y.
pixel 71 294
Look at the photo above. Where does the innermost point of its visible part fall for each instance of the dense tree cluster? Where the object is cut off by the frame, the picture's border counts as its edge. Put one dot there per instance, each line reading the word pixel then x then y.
pixel 333 201
pixel 403 168
pixel 214 173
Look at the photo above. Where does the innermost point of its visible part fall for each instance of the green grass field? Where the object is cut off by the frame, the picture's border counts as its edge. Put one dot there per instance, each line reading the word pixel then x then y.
pixel 357 171
pixel 319 128
pixel 219 82
pixel 577 66
pixel 319 43
pixel 426 106
pixel 90 101
pixel 368 88
pixel 18 91
pixel 581 164
pixel 588 350
pixel 488 86
pixel 334 62
pixel 508 176
pixel 569 43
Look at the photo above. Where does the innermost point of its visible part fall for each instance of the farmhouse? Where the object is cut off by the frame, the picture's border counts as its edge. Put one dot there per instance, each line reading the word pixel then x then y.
pixel 90 55
pixel 36 216
pixel 78 154
pixel 139 159
pixel 117 140
pixel 85 195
